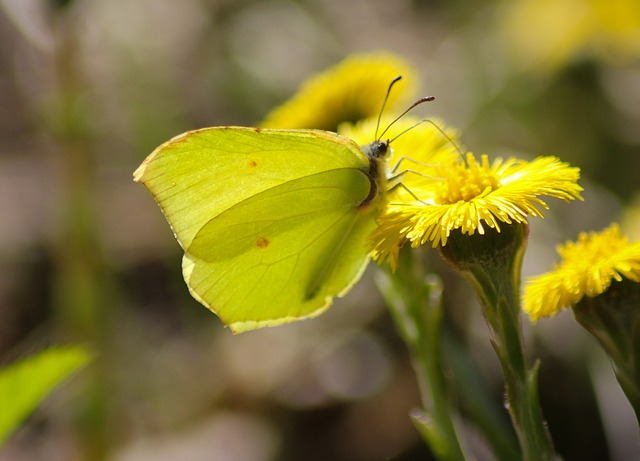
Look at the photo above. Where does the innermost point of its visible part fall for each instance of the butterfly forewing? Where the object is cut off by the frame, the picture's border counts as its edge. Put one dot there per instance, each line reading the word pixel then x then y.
pixel 199 174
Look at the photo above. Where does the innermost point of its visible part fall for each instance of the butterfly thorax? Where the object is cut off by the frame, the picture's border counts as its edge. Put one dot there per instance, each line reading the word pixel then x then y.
pixel 376 153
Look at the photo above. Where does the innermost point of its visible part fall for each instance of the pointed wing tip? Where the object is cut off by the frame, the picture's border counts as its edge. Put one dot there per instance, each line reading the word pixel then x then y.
pixel 140 171
pixel 137 175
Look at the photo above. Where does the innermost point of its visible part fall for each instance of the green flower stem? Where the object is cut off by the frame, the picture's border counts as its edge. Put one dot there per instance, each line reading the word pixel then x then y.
pixel 414 303
pixel 476 400
pixel 492 263
pixel 613 318
pixel 82 295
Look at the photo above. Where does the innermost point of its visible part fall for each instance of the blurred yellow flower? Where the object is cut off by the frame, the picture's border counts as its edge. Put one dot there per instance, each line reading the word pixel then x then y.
pixel 352 90
pixel 588 268
pixel 546 34
pixel 469 195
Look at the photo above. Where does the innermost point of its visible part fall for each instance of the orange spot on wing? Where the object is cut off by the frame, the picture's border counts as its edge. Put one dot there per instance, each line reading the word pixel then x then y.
pixel 252 163
pixel 262 243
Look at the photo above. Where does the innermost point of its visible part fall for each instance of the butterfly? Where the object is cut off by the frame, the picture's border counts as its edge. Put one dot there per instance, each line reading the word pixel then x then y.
pixel 274 223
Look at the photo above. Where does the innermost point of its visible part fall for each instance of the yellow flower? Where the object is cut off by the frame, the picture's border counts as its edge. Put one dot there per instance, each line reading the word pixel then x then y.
pixel 351 91
pixel 588 268
pixel 467 196
pixel 546 34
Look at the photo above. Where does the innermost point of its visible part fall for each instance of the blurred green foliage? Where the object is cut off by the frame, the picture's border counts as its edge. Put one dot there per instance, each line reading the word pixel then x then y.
pixel 23 385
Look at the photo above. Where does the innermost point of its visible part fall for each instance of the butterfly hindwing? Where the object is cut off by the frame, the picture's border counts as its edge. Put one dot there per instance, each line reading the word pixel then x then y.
pixel 284 253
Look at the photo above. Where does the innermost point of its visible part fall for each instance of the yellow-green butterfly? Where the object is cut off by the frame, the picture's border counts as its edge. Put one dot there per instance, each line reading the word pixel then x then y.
pixel 274 223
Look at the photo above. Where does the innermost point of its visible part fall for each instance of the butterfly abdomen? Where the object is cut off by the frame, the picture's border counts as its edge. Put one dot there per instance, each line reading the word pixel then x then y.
pixel 376 153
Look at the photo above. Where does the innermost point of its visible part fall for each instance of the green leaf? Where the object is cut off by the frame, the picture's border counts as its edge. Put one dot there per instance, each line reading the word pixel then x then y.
pixel 24 384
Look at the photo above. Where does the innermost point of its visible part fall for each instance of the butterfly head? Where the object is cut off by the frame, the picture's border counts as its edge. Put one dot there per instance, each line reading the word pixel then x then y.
pixel 376 150
pixel 379 149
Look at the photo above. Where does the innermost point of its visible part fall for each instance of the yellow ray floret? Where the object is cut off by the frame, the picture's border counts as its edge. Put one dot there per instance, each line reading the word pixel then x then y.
pixel 588 268
pixel 470 195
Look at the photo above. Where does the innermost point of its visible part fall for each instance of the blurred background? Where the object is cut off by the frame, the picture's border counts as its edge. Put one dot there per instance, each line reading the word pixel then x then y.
pixel 88 88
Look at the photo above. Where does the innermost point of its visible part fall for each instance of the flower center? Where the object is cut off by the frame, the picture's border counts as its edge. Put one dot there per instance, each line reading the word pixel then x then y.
pixel 465 182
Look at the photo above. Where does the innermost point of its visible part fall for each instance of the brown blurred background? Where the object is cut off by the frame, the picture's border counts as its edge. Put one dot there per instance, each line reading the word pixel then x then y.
pixel 89 87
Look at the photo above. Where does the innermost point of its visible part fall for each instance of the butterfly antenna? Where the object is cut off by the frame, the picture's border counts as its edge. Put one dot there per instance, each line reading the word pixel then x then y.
pixel 446 136
pixel 435 125
pixel 411 107
pixel 408 129
pixel 384 103
pixel 440 130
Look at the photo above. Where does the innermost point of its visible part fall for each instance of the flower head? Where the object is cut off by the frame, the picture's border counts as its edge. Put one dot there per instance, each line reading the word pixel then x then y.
pixel 469 195
pixel 588 268
pixel 350 91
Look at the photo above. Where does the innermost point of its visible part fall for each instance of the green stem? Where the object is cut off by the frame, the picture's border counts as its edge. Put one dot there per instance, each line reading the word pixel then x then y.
pixel 414 303
pixel 613 318
pixel 477 401
pixel 491 263
pixel 82 296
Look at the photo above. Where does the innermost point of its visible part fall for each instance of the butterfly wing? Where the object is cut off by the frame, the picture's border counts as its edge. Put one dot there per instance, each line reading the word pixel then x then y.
pixel 269 219
pixel 199 174
pixel 283 254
